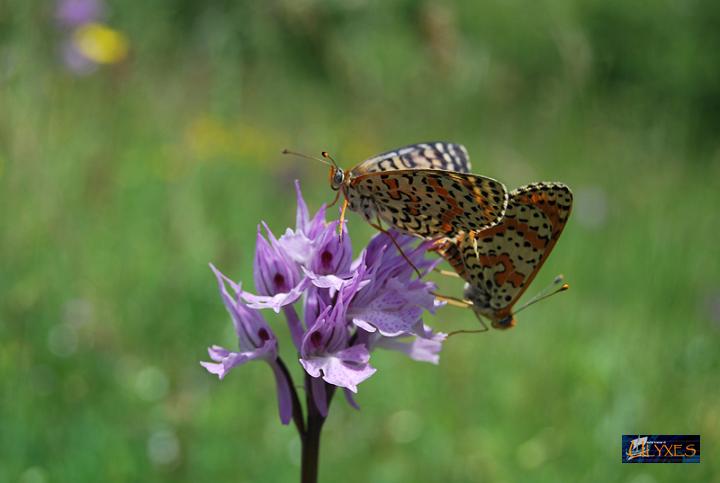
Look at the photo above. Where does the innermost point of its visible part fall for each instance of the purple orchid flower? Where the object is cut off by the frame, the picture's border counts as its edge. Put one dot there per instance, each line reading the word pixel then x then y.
pixel 394 303
pixel 423 348
pixel 327 355
pixel 331 265
pixel 349 307
pixel 274 271
pixel 276 276
pixel 327 352
pixel 301 244
pixel 256 340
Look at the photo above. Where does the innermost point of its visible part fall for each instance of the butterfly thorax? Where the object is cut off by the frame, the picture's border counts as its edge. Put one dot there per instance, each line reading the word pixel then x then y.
pixel 358 201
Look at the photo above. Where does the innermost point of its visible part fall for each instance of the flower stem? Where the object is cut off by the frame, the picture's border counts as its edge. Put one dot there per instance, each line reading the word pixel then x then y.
pixel 311 437
pixel 310 453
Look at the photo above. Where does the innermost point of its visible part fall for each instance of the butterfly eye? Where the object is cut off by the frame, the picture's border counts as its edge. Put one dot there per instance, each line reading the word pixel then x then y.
pixel 504 323
pixel 337 179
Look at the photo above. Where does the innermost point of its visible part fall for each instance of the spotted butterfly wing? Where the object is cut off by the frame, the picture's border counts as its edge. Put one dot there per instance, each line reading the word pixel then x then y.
pixel 430 203
pixel 499 263
pixel 430 155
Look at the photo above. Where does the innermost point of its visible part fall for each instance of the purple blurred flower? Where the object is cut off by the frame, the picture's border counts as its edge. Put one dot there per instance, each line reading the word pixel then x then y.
pixel 73 13
pixel 87 42
pixel 350 307
pixel 75 61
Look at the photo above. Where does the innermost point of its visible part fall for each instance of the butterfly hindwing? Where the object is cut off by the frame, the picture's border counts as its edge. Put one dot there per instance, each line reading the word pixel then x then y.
pixel 431 155
pixel 431 203
pixel 500 263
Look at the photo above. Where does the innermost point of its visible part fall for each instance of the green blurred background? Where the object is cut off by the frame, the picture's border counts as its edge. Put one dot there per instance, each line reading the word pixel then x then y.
pixel 135 150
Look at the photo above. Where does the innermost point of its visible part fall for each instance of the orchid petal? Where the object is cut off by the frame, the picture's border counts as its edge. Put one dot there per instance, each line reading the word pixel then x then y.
pixel 225 360
pixel 346 368
pixel 319 394
pixel 275 302
pixel 282 385
pixel 350 398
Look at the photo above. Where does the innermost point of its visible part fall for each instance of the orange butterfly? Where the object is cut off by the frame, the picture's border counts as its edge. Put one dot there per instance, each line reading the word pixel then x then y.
pixel 423 190
pixel 499 263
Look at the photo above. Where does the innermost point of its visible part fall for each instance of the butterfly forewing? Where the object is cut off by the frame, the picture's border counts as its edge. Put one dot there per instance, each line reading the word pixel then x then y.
pixel 433 155
pixel 500 263
pixel 430 203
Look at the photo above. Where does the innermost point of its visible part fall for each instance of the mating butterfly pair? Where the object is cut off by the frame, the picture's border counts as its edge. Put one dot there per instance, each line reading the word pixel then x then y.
pixel 495 241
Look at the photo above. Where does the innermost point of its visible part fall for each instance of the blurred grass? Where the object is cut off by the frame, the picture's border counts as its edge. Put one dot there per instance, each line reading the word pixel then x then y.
pixel 117 188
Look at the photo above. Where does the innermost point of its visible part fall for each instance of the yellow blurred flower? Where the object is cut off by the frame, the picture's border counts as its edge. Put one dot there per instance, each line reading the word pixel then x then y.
pixel 208 137
pixel 100 43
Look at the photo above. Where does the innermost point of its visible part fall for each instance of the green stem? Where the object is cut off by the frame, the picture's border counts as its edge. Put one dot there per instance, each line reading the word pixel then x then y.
pixel 311 438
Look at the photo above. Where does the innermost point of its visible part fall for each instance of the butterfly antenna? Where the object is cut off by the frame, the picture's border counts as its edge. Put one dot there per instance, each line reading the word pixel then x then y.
pixel 549 291
pixel 301 155
pixel 326 155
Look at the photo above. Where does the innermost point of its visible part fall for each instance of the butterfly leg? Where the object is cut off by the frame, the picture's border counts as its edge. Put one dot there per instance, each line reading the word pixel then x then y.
pixel 464 304
pixel 475 331
pixel 337 197
pixel 342 218
pixel 446 273
pixel 379 227
pixel 455 302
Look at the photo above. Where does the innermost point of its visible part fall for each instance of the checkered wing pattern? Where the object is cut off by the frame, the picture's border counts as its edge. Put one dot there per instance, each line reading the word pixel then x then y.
pixel 432 203
pixel 432 155
pixel 500 263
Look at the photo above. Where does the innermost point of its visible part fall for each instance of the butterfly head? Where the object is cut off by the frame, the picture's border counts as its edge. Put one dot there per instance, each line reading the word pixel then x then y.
pixel 337 175
pixel 502 318
pixel 503 321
